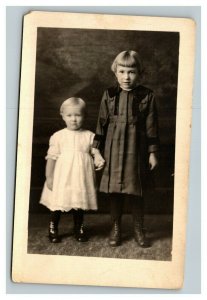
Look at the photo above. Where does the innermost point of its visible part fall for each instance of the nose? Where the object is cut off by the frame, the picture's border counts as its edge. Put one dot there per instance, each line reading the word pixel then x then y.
pixel 126 75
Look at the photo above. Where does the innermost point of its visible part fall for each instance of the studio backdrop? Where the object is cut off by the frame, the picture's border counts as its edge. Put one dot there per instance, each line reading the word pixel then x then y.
pixel 77 62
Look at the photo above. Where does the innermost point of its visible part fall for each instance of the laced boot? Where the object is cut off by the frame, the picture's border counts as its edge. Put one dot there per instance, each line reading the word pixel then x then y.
pixel 53 227
pixel 139 233
pixel 116 204
pixel 115 235
pixel 79 230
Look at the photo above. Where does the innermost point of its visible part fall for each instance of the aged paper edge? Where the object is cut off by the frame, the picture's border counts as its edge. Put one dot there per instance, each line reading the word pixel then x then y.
pixel 88 270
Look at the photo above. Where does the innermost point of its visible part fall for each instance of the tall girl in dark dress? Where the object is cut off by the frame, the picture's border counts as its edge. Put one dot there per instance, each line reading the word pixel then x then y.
pixel 127 134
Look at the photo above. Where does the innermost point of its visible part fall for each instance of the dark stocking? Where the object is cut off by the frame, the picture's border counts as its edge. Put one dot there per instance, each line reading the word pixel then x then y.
pixel 137 204
pixel 53 226
pixel 79 230
pixel 116 205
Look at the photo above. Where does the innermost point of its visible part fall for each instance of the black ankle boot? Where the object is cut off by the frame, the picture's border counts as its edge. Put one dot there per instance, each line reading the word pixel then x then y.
pixel 116 204
pixel 53 227
pixel 139 233
pixel 137 204
pixel 115 235
pixel 79 230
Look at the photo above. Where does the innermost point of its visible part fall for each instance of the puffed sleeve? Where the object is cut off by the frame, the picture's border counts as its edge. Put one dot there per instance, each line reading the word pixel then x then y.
pixel 152 125
pixel 92 135
pixel 102 124
pixel 54 148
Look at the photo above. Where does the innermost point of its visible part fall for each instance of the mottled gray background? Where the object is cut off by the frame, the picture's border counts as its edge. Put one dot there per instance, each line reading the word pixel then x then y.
pixel 76 62
pixel 192 282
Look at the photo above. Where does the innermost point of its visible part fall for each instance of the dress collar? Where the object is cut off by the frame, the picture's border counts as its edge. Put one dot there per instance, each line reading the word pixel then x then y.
pixel 137 91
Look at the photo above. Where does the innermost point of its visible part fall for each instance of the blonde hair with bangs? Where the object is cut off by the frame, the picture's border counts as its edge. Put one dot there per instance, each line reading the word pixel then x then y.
pixel 128 58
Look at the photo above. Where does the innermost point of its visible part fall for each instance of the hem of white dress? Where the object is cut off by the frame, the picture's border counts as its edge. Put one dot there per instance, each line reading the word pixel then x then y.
pixel 68 208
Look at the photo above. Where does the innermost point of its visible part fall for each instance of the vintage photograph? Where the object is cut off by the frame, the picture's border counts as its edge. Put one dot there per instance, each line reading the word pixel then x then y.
pixel 104 107
pixel 103 120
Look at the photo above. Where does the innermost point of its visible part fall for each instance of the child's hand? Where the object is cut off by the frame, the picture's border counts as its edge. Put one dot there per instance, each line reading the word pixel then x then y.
pixel 49 182
pixel 153 161
pixel 99 164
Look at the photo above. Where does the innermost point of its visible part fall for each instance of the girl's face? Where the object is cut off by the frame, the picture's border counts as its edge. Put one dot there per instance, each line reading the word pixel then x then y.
pixel 73 117
pixel 127 77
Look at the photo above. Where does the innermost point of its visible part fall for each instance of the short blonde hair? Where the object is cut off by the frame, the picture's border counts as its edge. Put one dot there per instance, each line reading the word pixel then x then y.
pixel 73 101
pixel 128 58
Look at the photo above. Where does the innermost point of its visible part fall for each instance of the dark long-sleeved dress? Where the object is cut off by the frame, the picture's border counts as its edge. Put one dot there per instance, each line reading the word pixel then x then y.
pixel 127 131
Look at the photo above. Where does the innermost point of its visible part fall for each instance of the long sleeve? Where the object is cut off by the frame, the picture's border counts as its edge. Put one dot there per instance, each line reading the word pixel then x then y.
pixel 102 123
pixel 152 126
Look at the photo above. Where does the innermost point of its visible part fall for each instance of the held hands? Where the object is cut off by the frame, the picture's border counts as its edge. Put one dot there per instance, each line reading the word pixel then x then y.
pixel 153 161
pixel 99 162
pixel 49 182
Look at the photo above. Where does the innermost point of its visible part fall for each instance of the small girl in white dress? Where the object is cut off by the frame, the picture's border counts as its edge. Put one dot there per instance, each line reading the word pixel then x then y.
pixel 70 175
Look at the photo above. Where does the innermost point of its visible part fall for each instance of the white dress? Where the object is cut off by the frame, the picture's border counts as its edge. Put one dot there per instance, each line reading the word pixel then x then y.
pixel 74 175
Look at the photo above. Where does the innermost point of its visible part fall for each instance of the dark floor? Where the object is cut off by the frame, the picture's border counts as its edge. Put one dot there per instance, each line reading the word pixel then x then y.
pixel 159 231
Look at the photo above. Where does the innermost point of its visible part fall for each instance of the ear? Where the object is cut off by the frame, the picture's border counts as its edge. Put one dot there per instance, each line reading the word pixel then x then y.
pixel 62 115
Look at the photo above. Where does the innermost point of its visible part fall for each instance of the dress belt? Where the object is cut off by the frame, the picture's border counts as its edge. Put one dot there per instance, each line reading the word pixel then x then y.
pixel 123 119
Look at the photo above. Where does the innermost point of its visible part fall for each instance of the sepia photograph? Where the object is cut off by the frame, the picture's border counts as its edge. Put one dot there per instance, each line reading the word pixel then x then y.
pixel 103 149
pixel 76 64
